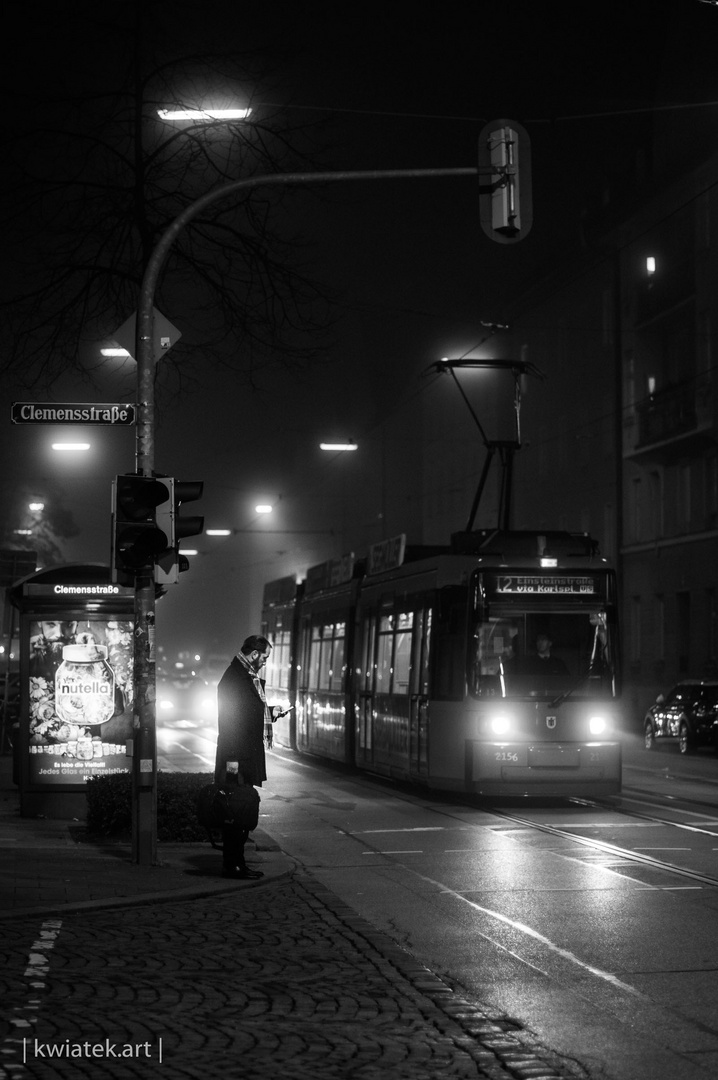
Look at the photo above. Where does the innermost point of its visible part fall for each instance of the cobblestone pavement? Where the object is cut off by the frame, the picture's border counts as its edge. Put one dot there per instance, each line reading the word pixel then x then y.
pixel 279 981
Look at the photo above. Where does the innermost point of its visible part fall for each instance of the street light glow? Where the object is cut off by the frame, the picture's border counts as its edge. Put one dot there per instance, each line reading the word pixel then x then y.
pixel 114 352
pixel 263 508
pixel 218 532
pixel 203 114
pixel 342 446
pixel 71 446
pixel 36 507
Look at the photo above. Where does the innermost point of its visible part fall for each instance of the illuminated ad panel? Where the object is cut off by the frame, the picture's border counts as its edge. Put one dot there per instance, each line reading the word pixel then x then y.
pixel 80 697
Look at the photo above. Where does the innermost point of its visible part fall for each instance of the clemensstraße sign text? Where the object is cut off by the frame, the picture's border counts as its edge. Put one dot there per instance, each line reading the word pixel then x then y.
pixel 116 415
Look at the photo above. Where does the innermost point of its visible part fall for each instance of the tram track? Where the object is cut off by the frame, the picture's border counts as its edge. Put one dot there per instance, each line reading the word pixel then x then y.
pixel 620 854
pixel 624 854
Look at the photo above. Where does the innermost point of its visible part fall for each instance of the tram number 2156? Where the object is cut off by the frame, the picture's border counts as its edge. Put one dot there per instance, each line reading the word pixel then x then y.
pixel 506 755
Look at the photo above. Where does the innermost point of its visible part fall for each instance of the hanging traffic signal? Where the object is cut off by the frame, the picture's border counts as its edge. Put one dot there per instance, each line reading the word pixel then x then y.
pixel 170 562
pixel 505 200
pixel 141 523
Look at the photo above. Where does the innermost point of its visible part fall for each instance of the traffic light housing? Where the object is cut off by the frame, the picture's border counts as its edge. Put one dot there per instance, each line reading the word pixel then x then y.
pixel 506 208
pixel 141 523
pixel 169 563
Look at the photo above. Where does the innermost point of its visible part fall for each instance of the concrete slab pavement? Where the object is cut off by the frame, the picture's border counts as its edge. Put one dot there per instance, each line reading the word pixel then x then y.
pixel 48 864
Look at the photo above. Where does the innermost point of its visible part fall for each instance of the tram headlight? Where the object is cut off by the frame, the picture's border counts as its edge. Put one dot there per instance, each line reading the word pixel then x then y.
pixel 500 724
pixel 597 725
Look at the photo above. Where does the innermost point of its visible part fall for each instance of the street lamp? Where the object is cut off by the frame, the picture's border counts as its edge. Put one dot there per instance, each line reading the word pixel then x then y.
pixel 203 114
pixel 340 447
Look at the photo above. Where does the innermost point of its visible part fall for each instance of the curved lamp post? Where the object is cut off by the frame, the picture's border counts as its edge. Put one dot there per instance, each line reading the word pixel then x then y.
pixel 144 760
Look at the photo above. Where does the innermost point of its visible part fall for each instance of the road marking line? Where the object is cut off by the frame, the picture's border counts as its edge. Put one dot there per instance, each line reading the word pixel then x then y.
pixel 565 954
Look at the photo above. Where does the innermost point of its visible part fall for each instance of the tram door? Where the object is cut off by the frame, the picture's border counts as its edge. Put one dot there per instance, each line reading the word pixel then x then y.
pixel 419 693
pixel 392 704
pixel 364 706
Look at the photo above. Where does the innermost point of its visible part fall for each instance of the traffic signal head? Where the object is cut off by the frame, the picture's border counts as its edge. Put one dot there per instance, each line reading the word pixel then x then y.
pixel 187 491
pixel 506 209
pixel 141 522
pixel 170 562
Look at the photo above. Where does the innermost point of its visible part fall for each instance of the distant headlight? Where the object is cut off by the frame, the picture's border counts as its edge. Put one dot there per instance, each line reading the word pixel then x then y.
pixel 597 725
pixel 500 724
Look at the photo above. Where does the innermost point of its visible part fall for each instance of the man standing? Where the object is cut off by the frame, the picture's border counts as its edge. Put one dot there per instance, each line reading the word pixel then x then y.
pixel 244 719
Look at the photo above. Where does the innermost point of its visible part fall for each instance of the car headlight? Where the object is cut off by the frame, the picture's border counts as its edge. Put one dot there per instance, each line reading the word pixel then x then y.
pixel 500 724
pixel 165 704
pixel 597 725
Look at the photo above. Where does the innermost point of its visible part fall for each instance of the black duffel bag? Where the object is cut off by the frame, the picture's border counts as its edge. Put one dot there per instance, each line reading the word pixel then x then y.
pixel 229 804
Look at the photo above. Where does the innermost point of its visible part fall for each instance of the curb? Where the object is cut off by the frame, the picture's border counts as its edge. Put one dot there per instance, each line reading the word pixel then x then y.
pixel 198 892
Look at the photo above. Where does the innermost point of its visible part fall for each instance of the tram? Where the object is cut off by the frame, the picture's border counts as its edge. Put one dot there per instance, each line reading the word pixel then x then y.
pixel 432 665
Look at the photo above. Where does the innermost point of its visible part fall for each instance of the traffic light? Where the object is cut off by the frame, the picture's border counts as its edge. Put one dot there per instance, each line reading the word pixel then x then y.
pixel 169 563
pixel 506 209
pixel 141 523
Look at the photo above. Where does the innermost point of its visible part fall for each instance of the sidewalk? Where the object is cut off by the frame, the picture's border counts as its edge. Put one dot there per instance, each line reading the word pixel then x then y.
pixel 46 865
pixel 210 977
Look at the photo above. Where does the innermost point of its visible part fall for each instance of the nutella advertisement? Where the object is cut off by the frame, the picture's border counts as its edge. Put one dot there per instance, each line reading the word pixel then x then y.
pixel 80 698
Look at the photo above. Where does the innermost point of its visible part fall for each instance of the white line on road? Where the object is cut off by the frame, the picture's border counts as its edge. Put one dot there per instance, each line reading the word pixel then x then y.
pixel 529 931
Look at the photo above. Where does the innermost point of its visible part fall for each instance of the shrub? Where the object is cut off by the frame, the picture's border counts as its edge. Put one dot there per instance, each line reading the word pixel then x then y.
pixel 109 806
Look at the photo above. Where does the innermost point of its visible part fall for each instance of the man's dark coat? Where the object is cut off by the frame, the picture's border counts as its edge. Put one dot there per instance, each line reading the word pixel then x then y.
pixel 241 725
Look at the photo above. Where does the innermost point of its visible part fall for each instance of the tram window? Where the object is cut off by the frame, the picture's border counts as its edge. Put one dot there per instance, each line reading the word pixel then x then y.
pixel 278 666
pixel 314 656
pixel 368 639
pixel 326 658
pixel 532 652
pixel 336 670
pixel 402 653
pixel 384 654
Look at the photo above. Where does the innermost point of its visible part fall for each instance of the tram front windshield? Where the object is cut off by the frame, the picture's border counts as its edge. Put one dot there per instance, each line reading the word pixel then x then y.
pixel 542 653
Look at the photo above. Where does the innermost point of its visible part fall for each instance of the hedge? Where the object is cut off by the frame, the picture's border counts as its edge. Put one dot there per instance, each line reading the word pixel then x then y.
pixel 109 806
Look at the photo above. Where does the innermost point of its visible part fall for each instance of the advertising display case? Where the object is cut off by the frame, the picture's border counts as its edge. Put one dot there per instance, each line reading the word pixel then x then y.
pixel 76 707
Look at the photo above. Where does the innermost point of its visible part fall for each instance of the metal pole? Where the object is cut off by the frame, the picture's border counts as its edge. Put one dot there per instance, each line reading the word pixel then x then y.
pixel 144 753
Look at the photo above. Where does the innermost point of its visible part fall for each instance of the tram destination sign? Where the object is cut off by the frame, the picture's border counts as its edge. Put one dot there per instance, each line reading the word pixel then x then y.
pixel 65 412
pixel 545 585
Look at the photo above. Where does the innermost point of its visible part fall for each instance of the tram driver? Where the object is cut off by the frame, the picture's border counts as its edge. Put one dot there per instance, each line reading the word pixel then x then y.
pixel 543 662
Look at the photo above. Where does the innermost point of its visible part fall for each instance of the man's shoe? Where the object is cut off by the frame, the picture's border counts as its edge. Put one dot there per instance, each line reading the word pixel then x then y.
pixel 241 872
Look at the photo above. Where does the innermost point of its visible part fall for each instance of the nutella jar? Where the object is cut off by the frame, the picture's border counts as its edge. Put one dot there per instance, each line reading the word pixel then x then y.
pixel 84 686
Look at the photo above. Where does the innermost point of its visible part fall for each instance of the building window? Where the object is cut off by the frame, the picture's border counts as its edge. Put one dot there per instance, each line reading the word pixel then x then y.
pixel 710 491
pixel 655 489
pixel 637 509
pixel 607 317
pixel 659 628
pixel 711 667
pixel 634 630
pixel 609 524
pixel 683 630
pixel 684 497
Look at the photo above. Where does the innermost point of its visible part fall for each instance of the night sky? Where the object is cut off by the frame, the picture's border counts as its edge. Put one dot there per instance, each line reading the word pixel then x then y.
pixel 411 275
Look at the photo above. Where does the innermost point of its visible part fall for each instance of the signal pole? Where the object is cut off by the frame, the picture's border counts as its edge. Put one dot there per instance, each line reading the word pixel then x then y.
pixel 144 757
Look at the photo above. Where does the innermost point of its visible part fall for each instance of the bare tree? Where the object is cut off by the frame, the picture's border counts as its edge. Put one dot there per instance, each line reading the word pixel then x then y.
pixel 93 177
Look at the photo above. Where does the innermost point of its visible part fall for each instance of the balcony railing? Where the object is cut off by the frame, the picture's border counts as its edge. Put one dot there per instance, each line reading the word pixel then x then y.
pixel 671 416
pixel 666 414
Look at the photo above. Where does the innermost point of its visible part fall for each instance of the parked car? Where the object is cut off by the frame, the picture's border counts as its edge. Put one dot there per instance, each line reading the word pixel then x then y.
pixel 688 713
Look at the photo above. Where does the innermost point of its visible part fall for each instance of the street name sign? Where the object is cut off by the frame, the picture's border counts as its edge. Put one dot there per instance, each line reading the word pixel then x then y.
pixel 83 412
